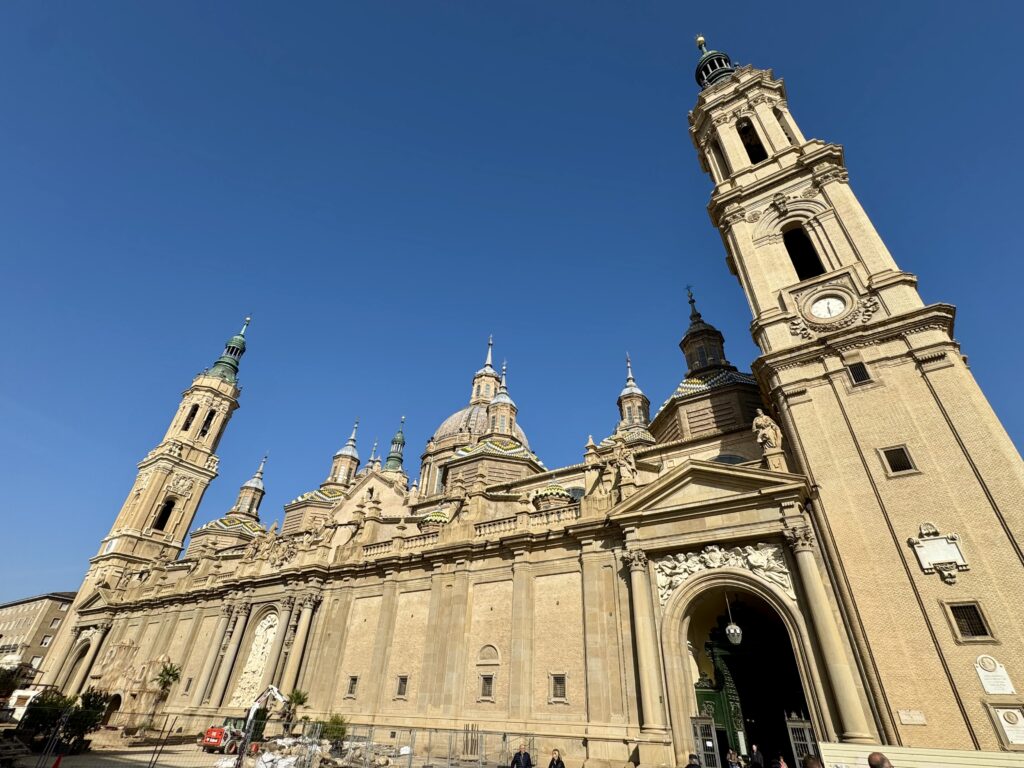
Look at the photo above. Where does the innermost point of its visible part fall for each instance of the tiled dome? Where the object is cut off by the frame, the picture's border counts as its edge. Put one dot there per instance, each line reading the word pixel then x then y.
pixel 471 420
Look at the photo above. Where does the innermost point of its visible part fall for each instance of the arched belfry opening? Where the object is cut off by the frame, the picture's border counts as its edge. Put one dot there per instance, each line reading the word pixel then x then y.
pixel 802 253
pixel 752 689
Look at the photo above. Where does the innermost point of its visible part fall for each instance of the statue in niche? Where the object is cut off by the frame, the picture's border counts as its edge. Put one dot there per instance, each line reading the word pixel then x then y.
pixel 767 432
pixel 625 463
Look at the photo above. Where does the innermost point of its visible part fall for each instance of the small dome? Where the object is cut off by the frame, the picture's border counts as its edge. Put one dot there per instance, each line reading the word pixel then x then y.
pixel 712 66
pixel 502 397
pixel 471 420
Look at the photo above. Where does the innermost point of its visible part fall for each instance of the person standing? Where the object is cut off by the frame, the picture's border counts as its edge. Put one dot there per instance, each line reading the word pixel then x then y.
pixel 556 759
pixel 732 760
pixel 694 760
pixel 756 758
pixel 521 759
pixel 878 760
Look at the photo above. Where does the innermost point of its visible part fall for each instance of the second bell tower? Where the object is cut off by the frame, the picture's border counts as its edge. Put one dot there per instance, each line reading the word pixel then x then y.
pixel 917 486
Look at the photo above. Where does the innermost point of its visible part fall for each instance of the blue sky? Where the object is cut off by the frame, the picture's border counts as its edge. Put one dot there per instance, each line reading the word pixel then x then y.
pixel 384 184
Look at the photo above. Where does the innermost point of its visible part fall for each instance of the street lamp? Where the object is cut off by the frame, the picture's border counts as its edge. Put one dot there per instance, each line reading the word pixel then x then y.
pixel 733 633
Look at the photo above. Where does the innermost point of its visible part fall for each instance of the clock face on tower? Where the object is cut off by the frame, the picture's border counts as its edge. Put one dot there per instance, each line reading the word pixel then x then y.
pixel 828 307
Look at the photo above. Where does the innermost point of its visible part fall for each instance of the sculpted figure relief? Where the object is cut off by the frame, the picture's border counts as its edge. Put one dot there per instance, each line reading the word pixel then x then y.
pixel 766 561
pixel 767 431
pixel 625 462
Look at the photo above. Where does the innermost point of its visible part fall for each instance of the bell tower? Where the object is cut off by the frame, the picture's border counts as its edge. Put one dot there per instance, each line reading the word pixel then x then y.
pixel 157 515
pixel 878 409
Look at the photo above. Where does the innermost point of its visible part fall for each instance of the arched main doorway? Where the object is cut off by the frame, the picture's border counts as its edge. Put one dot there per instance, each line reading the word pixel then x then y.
pixel 752 689
pixel 113 706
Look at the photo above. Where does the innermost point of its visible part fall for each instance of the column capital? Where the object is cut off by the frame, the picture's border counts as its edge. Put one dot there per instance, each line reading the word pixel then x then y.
pixel 244 608
pixel 800 538
pixel 311 600
pixel 288 602
pixel 635 558
pixel 226 609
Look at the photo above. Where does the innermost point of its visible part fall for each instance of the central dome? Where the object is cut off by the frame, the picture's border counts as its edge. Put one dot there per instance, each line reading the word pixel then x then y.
pixel 471 421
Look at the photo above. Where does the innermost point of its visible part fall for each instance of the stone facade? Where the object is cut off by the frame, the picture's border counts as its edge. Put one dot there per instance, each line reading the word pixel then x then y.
pixel 857 488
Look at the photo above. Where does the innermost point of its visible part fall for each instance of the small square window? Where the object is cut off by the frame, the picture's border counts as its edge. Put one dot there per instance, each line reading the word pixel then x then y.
pixel 487 687
pixel 403 686
pixel 558 687
pixel 353 683
pixel 55 623
pixel 859 373
pixel 45 642
pixel 970 622
pixel 898 460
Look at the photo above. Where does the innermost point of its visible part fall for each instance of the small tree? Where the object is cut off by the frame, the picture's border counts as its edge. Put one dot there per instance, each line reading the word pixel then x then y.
pixel 85 718
pixel 335 730
pixel 168 675
pixel 43 714
pixel 294 700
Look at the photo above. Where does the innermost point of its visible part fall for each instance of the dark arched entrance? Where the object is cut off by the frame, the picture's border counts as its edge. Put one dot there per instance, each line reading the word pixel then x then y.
pixel 752 689
pixel 114 705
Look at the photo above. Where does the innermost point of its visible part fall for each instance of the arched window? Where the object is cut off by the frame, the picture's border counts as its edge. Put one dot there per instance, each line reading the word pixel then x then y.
pixel 751 141
pixel 629 412
pixel 801 253
pixel 720 168
pixel 164 515
pixel 207 423
pixel 784 123
pixel 478 390
pixel 494 420
pixel 190 418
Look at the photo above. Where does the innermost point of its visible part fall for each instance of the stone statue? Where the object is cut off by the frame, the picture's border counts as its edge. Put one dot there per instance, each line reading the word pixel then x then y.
pixel 625 463
pixel 768 434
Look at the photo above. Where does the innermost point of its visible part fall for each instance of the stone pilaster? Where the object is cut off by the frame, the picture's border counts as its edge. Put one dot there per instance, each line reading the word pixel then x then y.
pixel 228 662
pixel 211 655
pixel 100 632
pixel 521 666
pixel 291 669
pixel 854 723
pixel 646 634
pixel 274 659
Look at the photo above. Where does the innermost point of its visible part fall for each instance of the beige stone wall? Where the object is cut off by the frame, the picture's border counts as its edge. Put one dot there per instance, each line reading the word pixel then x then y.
pixel 558 645
pixel 357 653
pixel 489 625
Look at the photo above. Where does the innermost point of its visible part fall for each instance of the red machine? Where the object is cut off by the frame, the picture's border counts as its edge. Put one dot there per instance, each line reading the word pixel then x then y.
pixel 224 738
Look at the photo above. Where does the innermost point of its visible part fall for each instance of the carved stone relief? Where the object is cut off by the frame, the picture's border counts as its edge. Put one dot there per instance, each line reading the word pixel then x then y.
pixel 249 680
pixel 766 561
pixel 181 485
pixel 938 553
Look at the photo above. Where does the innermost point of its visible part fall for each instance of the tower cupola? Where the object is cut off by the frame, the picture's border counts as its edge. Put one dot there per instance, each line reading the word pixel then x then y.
pixel 634 407
pixel 251 494
pixel 703 345
pixel 486 380
pixel 346 460
pixel 226 366
pixel 394 460
pixel 501 412
pixel 712 66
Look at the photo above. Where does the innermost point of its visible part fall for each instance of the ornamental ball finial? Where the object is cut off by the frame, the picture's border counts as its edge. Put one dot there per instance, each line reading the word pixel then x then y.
pixel 700 41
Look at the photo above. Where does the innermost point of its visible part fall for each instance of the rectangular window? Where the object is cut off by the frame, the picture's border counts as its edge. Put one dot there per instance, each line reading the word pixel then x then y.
pixel 188 685
pixel 487 687
pixel 403 686
pixel 36 661
pixel 558 687
pixel 45 642
pixel 64 606
pixel 969 621
pixel 859 373
pixel 55 623
pixel 898 460
pixel 353 682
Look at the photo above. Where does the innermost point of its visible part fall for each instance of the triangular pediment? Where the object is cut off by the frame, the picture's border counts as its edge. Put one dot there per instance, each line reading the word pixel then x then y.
pixel 94 601
pixel 695 483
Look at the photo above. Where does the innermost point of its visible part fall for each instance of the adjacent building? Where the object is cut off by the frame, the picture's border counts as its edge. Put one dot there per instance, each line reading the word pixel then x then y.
pixel 28 627
pixel 827 548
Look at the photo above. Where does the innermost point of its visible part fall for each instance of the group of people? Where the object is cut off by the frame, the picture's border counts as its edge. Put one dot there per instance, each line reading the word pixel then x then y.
pixel 755 759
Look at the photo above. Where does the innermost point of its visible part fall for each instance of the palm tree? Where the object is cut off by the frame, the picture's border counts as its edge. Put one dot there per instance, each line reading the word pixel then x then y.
pixel 293 701
pixel 168 675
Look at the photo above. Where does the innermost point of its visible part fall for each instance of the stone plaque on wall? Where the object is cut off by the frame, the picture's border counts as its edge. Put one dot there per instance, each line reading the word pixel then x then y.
pixel 912 717
pixel 1011 720
pixel 993 676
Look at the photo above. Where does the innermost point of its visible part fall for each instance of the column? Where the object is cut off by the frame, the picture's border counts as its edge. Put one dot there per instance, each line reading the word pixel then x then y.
pixel 853 723
pixel 732 147
pixel 54 675
pixel 199 692
pixel 291 669
pixel 99 632
pixel 521 663
pixel 647 656
pixel 284 618
pixel 226 664
pixel 382 645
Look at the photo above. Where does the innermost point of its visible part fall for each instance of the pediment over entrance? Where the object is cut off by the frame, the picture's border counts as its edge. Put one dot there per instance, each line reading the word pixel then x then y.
pixel 696 483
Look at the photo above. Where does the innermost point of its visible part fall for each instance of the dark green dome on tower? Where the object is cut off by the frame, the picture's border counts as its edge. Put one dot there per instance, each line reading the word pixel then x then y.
pixel 713 65
pixel 226 366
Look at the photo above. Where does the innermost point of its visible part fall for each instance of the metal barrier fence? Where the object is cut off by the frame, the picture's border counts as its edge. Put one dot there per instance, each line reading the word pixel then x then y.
pixel 142 740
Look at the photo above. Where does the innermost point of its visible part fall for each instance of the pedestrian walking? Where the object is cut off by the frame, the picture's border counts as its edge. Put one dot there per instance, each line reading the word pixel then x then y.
pixel 521 759
pixel 556 759
pixel 694 760
pixel 756 758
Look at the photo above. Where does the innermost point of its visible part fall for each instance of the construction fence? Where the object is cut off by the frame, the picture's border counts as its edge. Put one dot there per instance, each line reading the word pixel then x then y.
pixel 142 740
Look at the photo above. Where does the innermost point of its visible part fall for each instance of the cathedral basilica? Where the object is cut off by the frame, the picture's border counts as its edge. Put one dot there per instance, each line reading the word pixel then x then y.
pixel 823 552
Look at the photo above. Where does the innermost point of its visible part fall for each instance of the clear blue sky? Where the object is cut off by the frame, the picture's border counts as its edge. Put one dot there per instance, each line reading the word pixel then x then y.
pixel 384 184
